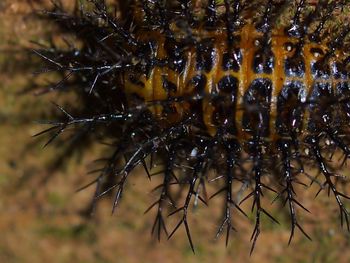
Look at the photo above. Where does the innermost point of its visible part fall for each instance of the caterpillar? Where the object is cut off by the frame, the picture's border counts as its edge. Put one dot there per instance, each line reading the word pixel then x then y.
pixel 250 94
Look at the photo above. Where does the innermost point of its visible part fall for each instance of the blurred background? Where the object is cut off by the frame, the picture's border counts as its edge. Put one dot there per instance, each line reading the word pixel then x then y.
pixel 44 219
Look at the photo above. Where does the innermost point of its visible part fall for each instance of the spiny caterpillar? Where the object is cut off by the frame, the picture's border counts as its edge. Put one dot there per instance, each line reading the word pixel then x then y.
pixel 250 94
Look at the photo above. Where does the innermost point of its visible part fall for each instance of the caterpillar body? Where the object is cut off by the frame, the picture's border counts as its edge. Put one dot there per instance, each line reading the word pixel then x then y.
pixel 214 86
pixel 241 74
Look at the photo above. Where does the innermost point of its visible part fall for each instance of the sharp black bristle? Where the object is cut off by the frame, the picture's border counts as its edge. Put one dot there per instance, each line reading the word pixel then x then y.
pixel 256 91
pixel 210 12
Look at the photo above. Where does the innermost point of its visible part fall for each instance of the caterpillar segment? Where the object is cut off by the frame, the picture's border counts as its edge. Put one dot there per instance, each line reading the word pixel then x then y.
pixel 240 83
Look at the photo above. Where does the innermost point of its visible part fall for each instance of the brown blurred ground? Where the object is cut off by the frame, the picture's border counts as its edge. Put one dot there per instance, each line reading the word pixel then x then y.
pixel 41 215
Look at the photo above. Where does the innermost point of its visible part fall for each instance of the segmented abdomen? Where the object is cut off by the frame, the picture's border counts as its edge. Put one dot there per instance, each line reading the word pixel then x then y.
pixel 255 87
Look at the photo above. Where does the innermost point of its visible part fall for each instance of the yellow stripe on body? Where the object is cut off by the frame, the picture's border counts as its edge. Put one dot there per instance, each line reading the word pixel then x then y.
pixel 154 90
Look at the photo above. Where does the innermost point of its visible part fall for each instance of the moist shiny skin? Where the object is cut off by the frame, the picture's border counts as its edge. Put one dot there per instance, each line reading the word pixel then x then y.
pixel 254 87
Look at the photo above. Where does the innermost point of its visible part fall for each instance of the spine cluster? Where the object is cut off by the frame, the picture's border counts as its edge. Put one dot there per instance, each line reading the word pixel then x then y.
pixel 201 87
